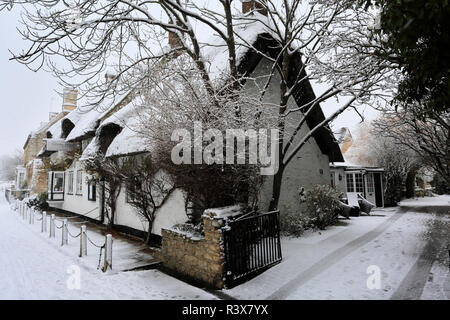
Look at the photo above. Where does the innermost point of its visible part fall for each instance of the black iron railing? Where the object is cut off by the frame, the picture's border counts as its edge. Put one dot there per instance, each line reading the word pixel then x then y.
pixel 252 244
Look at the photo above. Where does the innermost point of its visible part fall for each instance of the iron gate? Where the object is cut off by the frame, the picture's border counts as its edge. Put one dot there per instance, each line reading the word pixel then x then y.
pixel 252 244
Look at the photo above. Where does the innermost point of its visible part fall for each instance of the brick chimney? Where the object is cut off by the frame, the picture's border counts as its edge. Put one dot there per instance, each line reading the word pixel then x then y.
pixel 248 6
pixel 69 99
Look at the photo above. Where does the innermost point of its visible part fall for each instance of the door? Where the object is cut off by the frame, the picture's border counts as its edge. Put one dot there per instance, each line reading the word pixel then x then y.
pixel 370 188
pixel 355 185
pixel 379 201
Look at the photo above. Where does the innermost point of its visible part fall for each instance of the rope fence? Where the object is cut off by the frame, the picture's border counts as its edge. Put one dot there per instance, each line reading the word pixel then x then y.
pixel 70 234
pixel 105 250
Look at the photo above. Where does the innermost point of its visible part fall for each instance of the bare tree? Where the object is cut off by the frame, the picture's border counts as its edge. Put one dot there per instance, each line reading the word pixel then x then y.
pixel 8 164
pixel 326 42
pixel 147 188
pixel 374 148
pixel 106 173
pixel 428 138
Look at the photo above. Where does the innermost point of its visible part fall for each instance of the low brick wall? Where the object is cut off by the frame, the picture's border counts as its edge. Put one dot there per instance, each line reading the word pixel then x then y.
pixel 201 259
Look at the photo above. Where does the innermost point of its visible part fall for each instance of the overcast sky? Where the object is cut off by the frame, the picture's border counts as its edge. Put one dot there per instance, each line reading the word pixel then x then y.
pixel 27 97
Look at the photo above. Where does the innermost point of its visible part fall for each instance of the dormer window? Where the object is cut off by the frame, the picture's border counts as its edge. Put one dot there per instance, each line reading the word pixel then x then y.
pixel 67 126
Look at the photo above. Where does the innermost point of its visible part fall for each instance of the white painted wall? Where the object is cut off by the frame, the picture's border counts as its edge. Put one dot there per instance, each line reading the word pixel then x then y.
pixel 340 185
pixel 79 203
pixel 309 167
pixel 126 214
pixel 172 212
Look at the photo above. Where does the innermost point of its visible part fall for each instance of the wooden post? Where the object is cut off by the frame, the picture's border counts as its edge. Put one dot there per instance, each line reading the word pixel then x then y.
pixel 44 222
pixel 64 235
pixel 83 241
pixel 108 253
pixel 52 226
pixel 31 221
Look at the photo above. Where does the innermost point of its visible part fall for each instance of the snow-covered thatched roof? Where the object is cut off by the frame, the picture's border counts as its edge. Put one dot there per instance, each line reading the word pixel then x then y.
pixel 215 50
pixel 127 142
pixel 352 166
pixel 84 120
pixel 252 38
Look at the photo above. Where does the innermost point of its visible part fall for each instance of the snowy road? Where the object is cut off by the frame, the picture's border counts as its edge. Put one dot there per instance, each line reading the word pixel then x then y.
pixel 437 241
pixel 36 267
pixel 405 248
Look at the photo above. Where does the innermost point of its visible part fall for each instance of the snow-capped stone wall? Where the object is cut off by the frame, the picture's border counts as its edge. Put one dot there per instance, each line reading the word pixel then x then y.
pixel 201 259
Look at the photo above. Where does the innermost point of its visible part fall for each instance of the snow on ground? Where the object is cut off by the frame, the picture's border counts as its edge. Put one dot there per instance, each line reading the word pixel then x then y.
pixel 394 253
pixel 437 200
pixel 36 267
pixel 303 253
pixel 337 263
pixel 408 245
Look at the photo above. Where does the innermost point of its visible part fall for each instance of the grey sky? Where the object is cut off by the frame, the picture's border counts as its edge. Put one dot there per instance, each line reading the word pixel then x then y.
pixel 27 97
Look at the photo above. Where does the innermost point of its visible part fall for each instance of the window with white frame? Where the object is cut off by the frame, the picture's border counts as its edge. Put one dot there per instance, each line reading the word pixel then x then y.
pixel 359 183
pixel 79 182
pixel 56 185
pixel 70 182
pixel 58 182
pixel 21 180
pixel 132 188
pixel 349 181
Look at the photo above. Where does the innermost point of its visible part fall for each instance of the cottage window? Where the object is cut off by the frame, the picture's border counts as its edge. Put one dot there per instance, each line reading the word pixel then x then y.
pixel 70 183
pixel 58 182
pixel 92 191
pixel 21 180
pixel 349 180
pixel 131 190
pixel 333 181
pixel 79 182
pixel 359 184
pixel 55 186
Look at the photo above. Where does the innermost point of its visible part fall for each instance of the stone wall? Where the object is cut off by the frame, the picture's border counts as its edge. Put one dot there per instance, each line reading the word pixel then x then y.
pixel 201 259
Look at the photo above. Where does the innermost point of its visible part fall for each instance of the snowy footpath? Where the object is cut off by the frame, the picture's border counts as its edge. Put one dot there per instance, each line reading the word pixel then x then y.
pixel 34 266
pixel 395 253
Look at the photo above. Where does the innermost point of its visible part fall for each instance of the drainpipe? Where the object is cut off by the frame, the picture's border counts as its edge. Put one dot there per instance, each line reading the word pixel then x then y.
pixel 102 215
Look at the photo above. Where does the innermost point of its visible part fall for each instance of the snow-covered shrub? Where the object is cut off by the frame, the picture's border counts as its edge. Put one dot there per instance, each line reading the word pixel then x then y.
pixel 323 205
pixel 39 202
pixel 292 224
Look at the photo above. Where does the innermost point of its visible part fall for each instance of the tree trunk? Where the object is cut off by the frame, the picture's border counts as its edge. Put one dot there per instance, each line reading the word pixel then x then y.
pixel 147 237
pixel 276 188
